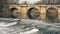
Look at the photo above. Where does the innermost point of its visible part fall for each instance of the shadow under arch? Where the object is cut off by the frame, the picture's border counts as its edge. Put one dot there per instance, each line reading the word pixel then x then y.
pixel 33 13
pixel 52 13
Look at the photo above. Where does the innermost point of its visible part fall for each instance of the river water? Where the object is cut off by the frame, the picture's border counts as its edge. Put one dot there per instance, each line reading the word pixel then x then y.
pixel 27 26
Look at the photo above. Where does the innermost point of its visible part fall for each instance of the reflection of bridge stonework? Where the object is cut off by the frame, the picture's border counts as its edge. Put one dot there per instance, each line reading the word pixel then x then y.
pixel 22 11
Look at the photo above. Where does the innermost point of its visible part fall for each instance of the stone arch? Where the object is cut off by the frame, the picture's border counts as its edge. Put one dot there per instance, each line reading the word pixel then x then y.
pixel 33 13
pixel 52 13
pixel 13 10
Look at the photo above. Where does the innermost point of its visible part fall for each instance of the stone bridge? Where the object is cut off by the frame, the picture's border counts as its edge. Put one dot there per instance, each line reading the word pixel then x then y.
pixel 41 12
